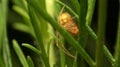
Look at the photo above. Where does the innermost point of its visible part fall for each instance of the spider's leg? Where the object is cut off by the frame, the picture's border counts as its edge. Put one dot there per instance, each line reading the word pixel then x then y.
pixel 74 17
pixel 62 10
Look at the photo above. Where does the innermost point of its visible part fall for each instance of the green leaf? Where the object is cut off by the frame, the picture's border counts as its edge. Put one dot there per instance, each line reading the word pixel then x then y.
pixel 20 3
pixel 90 11
pixel 30 62
pixel 6 50
pixel 24 15
pixel 32 48
pixel 23 27
pixel 20 54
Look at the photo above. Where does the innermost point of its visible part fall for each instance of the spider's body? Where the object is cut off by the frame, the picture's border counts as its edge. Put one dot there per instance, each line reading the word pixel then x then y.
pixel 67 22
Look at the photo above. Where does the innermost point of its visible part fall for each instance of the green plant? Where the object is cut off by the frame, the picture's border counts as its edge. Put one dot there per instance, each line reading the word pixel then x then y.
pixel 35 18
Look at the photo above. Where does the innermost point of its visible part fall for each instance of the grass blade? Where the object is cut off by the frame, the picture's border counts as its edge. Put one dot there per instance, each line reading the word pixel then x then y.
pixel 32 48
pixel 90 10
pixel 6 51
pixel 30 62
pixel 20 54
pixel 108 55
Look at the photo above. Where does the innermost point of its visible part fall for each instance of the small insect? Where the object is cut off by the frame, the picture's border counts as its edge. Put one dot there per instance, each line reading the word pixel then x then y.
pixel 67 22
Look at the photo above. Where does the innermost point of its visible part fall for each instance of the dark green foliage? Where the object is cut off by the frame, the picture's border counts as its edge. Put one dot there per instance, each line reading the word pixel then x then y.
pixel 39 20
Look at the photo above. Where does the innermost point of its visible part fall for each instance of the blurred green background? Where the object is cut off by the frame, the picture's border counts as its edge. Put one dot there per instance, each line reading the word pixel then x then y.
pixel 28 39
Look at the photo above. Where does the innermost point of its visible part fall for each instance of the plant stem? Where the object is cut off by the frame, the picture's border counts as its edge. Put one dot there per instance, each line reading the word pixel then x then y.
pixel 117 51
pixel 102 8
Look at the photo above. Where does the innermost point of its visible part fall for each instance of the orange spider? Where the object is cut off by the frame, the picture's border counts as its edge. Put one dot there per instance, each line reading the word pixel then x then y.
pixel 67 22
